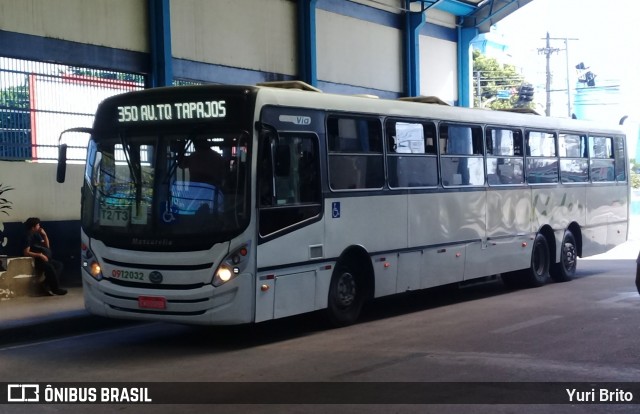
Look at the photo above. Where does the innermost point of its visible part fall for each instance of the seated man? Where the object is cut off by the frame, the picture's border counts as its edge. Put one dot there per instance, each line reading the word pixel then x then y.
pixel 36 244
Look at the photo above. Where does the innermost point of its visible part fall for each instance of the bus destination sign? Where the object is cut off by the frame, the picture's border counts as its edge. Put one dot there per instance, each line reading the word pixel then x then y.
pixel 172 111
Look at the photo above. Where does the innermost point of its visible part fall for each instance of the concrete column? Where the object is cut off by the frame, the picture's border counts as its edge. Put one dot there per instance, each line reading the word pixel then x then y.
pixel 465 66
pixel 307 64
pixel 413 23
pixel 161 68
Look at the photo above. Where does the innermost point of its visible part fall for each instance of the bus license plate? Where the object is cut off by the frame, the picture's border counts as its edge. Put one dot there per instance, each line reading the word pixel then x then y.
pixel 152 302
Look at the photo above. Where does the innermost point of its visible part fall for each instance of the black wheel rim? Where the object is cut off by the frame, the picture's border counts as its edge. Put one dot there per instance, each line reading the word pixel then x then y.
pixel 569 257
pixel 346 290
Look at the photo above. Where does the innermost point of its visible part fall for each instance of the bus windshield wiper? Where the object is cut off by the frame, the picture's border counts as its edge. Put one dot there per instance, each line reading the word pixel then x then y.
pixel 174 163
pixel 134 171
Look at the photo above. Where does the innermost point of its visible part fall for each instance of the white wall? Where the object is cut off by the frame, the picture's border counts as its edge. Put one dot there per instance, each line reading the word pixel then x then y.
pixel 37 194
pixel 120 24
pixel 356 52
pixel 259 35
pixel 439 68
pixel 249 34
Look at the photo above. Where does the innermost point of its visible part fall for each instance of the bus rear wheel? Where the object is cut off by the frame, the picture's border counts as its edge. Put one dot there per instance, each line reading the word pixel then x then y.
pixel 346 296
pixel 565 269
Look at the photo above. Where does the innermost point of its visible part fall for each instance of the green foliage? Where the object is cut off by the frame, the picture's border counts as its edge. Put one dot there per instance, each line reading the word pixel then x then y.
pixel 4 203
pixel 15 97
pixel 490 76
pixel 105 74
pixel 635 180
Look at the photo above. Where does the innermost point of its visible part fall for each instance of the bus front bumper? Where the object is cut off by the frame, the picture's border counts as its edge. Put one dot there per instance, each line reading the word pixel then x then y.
pixel 231 303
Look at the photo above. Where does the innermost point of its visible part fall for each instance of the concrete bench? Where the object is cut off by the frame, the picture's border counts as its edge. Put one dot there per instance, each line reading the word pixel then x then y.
pixel 18 276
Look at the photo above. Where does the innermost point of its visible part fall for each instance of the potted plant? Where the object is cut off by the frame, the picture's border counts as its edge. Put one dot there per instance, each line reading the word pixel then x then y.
pixel 5 206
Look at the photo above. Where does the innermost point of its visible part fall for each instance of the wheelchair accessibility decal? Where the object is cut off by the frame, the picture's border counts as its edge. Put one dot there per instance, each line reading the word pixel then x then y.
pixel 335 209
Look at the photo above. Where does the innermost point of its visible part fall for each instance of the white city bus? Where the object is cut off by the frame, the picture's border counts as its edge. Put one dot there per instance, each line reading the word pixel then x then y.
pixel 314 201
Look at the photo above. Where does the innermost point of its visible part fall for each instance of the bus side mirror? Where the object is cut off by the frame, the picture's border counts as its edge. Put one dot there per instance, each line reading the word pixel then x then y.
pixel 62 163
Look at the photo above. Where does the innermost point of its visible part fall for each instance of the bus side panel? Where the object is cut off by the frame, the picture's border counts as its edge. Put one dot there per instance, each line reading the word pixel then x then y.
pixel 265 296
pixel 380 229
pixel 294 294
pixel 295 247
pixel 443 265
pixel 444 223
pixel 571 207
pixel 409 269
pixel 550 205
pixel 617 228
pixel 283 267
pixel 355 221
pixel 508 227
pixel 599 215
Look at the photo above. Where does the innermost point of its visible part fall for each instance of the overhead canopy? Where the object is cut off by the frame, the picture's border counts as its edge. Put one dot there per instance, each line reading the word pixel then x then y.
pixel 479 14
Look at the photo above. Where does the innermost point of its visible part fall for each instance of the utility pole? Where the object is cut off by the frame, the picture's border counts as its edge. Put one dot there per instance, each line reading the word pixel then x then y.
pixel 479 85
pixel 548 51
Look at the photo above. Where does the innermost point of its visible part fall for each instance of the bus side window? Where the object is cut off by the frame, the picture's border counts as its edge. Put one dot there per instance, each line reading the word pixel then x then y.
pixel 461 150
pixel 411 154
pixel 289 186
pixel 620 159
pixel 355 153
pixel 542 163
pixel 574 165
pixel 505 160
pixel 602 163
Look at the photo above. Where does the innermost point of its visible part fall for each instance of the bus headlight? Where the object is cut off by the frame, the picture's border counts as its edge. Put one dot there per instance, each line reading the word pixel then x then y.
pixel 231 266
pixel 223 275
pixel 90 263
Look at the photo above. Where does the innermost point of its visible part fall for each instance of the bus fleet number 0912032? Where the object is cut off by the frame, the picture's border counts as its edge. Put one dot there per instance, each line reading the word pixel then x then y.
pixel 127 274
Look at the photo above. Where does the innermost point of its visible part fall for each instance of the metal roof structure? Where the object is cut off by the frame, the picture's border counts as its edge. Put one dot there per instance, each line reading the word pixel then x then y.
pixel 479 14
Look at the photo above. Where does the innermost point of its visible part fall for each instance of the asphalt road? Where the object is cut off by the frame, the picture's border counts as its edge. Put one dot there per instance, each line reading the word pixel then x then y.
pixel 585 331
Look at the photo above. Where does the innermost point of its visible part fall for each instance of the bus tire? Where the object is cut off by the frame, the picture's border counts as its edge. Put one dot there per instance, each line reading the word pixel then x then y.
pixel 538 273
pixel 346 296
pixel 565 269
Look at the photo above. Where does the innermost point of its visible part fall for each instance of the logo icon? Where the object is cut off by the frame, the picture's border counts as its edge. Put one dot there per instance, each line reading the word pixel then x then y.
pixel 335 209
pixel 23 393
pixel 155 277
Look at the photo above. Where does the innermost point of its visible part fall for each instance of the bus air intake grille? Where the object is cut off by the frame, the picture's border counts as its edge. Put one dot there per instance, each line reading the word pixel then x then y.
pixel 154 285
pixel 200 266
pixel 152 312
pixel 168 301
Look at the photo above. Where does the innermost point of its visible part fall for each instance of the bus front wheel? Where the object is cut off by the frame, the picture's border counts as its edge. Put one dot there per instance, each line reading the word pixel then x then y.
pixel 538 274
pixel 346 296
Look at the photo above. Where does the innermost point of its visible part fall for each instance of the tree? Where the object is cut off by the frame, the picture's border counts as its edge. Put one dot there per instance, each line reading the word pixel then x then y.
pixel 15 122
pixel 490 76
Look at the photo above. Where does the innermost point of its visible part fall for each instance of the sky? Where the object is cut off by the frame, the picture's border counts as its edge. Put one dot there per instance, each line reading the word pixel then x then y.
pixel 606 41
pixel 605 29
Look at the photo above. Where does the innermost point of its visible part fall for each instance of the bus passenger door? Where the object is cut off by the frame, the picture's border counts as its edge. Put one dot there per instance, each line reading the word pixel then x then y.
pixel 289 228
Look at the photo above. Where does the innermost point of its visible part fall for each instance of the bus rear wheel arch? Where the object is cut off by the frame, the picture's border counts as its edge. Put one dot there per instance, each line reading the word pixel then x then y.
pixel 351 286
pixel 537 274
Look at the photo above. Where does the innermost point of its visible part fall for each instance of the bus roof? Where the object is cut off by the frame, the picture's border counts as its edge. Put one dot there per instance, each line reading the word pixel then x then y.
pixel 415 109
pixel 287 94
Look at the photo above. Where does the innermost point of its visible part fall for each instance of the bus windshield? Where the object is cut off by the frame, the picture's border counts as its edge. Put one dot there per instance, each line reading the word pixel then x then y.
pixel 166 190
